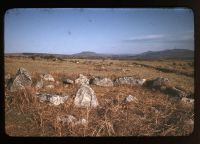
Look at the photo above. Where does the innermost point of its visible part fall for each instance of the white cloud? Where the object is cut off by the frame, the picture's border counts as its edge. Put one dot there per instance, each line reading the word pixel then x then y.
pixel 146 37
pixel 181 37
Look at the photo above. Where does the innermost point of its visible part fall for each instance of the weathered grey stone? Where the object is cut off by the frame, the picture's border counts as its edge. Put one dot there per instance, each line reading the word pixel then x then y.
pixel 68 81
pixel 106 82
pixel 69 119
pixel 39 84
pixel 7 77
pixel 21 80
pixel 163 88
pixel 82 80
pixel 48 77
pixel 190 122
pixel 52 98
pixel 130 98
pixel 187 100
pixel 85 97
pixel 57 83
pixel 131 80
pixel 175 92
pixel 158 82
pixel 81 122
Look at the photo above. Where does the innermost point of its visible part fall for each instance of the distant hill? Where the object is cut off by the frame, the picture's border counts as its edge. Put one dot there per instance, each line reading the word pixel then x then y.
pixel 165 54
pixel 86 54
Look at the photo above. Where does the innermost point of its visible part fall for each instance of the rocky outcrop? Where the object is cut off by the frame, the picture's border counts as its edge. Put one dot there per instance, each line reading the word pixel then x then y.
pixel 85 97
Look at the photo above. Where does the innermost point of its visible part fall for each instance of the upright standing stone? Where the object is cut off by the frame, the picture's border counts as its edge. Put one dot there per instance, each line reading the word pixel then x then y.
pixel 21 80
pixel 85 97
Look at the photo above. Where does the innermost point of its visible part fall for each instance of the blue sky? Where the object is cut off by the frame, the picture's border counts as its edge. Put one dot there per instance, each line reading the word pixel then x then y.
pixel 117 31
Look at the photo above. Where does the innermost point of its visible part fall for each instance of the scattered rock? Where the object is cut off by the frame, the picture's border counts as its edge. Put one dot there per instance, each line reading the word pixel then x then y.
pixel 50 86
pixel 48 77
pixel 66 119
pixel 130 98
pixel 155 109
pixel 159 82
pixel 68 81
pixel 69 119
pixel 187 100
pixel 82 80
pixel 163 88
pixel 162 85
pixel 81 122
pixel 52 98
pixel 131 80
pixel 21 80
pixel 7 77
pixel 85 97
pixel 57 83
pixel 39 84
pixel 66 86
pixel 175 92
pixel 190 122
pixel 106 82
pixel 55 59
pixel 103 68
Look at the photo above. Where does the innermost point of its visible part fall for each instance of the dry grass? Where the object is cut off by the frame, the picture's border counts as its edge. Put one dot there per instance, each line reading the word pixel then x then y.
pixel 155 114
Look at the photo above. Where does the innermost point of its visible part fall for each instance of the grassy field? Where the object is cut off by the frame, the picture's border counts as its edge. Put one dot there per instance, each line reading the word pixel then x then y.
pixel 155 114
